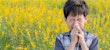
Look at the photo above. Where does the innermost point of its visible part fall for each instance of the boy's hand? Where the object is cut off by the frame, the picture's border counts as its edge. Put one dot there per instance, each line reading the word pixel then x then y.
pixel 80 35
pixel 77 35
pixel 74 37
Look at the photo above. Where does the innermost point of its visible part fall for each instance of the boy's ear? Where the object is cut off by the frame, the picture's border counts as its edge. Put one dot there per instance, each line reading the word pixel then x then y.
pixel 65 19
pixel 86 18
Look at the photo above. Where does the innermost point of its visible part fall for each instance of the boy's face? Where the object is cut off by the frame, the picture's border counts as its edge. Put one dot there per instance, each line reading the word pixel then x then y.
pixel 78 20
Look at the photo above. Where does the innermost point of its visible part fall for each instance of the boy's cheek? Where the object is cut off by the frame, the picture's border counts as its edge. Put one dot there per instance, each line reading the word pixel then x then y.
pixel 81 26
pixel 70 27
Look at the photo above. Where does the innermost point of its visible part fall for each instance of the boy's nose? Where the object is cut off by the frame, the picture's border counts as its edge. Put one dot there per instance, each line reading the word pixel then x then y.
pixel 75 24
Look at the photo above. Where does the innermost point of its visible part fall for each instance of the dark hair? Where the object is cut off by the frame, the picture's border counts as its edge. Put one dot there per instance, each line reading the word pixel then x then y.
pixel 76 7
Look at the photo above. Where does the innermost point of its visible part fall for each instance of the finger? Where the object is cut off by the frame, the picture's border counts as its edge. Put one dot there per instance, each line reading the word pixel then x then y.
pixel 79 29
pixel 76 31
pixel 72 31
pixel 82 33
pixel 79 35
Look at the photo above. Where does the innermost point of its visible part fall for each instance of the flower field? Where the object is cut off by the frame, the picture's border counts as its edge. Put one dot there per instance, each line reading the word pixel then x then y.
pixel 34 24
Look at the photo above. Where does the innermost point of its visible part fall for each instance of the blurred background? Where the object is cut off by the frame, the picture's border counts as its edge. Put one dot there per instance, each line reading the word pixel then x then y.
pixel 34 24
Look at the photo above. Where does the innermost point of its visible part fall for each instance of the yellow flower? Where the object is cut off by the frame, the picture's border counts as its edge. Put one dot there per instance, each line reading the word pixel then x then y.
pixel 33 44
pixel 3 33
pixel 100 48
pixel 6 13
pixel 28 33
pixel 14 30
pixel 26 48
pixel 36 33
pixel 45 39
pixel 19 48
pixel 7 46
pixel 31 20
pixel 22 41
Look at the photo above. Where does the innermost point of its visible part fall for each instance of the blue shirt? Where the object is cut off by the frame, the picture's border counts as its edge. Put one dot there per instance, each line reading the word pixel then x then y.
pixel 63 40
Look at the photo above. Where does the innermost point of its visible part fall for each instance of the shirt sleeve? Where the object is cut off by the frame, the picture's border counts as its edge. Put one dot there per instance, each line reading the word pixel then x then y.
pixel 58 45
pixel 94 45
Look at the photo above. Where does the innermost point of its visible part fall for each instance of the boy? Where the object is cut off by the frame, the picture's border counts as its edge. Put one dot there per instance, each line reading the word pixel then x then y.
pixel 75 12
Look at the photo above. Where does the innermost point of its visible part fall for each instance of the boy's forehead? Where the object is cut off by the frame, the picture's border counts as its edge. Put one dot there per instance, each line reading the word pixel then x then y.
pixel 76 14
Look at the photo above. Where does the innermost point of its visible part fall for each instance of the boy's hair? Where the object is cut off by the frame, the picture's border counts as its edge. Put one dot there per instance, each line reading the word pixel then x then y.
pixel 76 7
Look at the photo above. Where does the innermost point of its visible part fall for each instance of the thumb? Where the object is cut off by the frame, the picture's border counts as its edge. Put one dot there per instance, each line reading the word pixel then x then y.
pixel 79 35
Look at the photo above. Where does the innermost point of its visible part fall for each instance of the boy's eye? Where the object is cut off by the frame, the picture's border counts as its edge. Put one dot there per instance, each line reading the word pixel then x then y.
pixel 71 20
pixel 79 19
